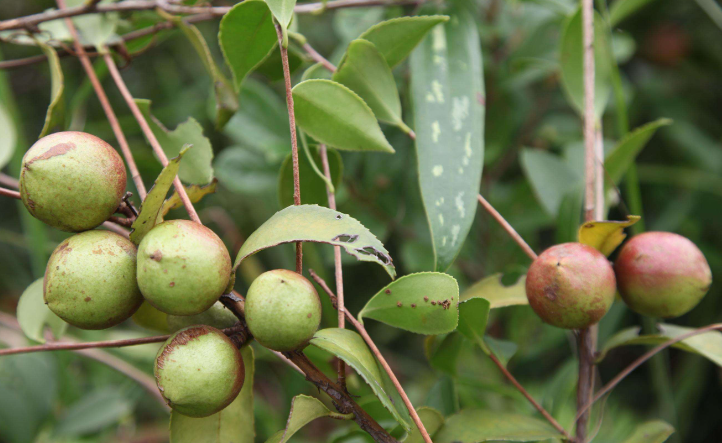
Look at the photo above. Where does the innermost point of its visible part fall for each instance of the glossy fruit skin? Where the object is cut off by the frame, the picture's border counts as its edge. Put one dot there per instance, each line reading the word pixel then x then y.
pixel 662 274
pixel 90 280
pixel 283 310
pixel 199 371
pixel 72 181
pixel 571 286
pixel 183 267
pixel 217 316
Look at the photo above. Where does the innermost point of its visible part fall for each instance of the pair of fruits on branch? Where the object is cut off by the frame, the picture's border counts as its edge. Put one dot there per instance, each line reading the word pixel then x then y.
pixel 658 274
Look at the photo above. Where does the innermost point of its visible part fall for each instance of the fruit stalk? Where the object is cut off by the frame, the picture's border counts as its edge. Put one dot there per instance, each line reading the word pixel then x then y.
pixel 10 193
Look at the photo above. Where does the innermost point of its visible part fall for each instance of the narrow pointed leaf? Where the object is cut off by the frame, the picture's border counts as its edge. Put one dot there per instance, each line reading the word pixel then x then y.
pixel 448 96
pixel 473 425
pixel 335 115
pixel 424 303
pixel 396 38
pixel 34 315
pixel 311 223
pixel 655 431
pixel 497 293
pixel 55 115
pixel 627 149
pixel 304 410
pixel 605 236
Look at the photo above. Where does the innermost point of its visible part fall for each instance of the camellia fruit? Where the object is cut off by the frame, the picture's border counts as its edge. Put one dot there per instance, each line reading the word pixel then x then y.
pixel 183 267
pixel 571 286
pixel 283 310
pixel 199 371
pixel 217 316
pixel 90 280
pixel 662 274
pixel 72 181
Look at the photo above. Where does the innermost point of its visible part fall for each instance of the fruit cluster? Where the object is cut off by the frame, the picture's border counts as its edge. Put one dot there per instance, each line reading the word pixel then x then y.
pixel 658 274
pixel 97 279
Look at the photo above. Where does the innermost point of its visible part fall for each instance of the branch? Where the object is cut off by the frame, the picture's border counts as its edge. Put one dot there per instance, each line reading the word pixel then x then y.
pixel 318 58
pixel 294 140
pixel 507 227
pixel 367 338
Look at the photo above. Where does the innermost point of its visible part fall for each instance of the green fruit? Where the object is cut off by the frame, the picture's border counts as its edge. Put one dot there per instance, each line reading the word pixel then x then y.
pixel 149 317
pixel 283 310
pixel 199 371
pixel 90 280
pixel 217 316
pixel 571 286
pixel 183 267
pixel 72 181
pixel 661 274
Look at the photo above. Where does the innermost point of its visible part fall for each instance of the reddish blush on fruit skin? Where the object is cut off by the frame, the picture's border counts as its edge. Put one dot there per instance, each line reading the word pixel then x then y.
pixel 662 274
pixel 571 286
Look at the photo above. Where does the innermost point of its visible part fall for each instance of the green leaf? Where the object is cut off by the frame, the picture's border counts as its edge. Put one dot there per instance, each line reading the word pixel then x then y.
pixel 313 188
pixel 304 410
pixel 708 344
pixel 432 421
pixel 245 172
pixel 234 424
pixel 551 178
pixel 95 29
pixel 424 303
pixel 621 9
pixel 55 114
pixel 473 318
pixel 447 85
pixel 365 71
pixel 246 36
pixel 9 138
pixel 313 223
pixel 497 293
pixel 605 236
pixel 627 149
pixel 151 206
pixel 655 431
pixel 33 314
pixel 97 410
pixel 272 68
pixel 333 114
pixel 197 167
pixel 195 194
pixel 445 356
pixel 572 62
pixel 350 347
pixel 396 38
pixel 473 425
pixel 316 71
pixel 283 12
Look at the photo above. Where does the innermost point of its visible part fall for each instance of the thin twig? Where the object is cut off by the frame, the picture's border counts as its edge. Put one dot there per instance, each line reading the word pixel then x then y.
pixel 294 140
pixel 10 193
pixel 318 58
pixel 367 338
pixel 116 228
pixel 11 182
pixel 507 227
pixel 105 103
pixel 113 69
pixel 336 262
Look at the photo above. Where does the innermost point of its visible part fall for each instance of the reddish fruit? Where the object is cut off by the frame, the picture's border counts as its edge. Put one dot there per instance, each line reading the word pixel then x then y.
pixel 661 274
pixel 571 286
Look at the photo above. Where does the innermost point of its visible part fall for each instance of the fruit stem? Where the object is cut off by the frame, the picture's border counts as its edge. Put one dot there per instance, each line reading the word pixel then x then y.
pixel 105 103
pixel 294 140
pixel 10 193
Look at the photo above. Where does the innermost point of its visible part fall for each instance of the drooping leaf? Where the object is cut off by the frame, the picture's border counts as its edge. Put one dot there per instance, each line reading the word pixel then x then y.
pixel 708 344
pixel 9 138
pixel 473 317
pixel 233 424
pixel 605 236
pixel 424 303
pixel 350 347
pixel 313 189
pixel 55 114
pixel 304 410
pixel 396 38
pixel 448 96
pixel 246 37
pixel 195 194
pixel 313 223
pixel 365 71
pixel 655 431
pixel 333 114
pixel 551 178
pixel 497 293
pixel 572 62
pixel 151 206
pixel 432 421
pixel 474 425
pixel 95 411
pixel 244 171
pixel 197 166
pixel 627 149
pixel 33 314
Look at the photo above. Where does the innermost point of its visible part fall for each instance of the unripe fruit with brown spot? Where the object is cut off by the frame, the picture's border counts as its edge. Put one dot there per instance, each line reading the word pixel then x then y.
pixel 199 371
pixel 90 280
pixel 183 267
pixel 662 274
pixel 283 310
pixel 72 181
pixel 571 286
pixel 217 316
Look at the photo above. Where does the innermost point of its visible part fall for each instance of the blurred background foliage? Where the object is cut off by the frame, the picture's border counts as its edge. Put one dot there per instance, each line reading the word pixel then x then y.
pixel 670 59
